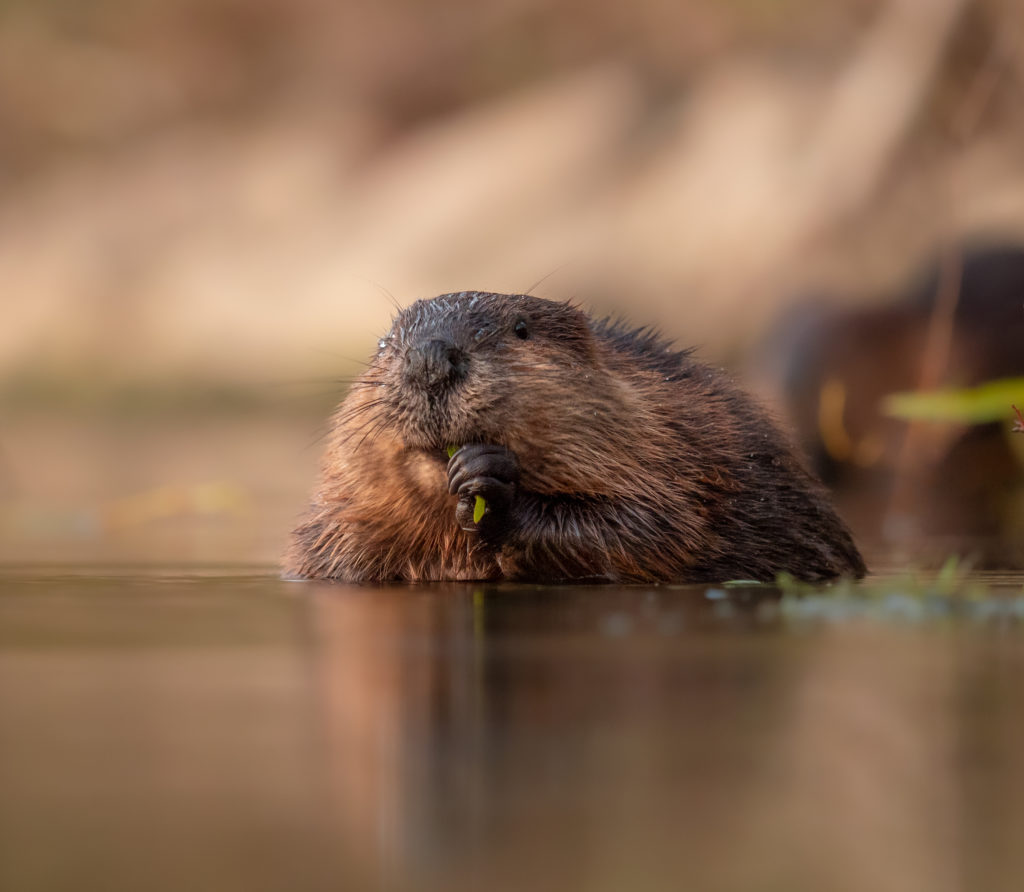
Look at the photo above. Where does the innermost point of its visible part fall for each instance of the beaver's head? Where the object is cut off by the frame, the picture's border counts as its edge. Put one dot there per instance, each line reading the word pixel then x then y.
pixel 476 367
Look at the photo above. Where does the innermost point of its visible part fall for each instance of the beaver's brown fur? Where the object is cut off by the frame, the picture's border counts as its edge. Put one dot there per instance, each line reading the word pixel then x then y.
pixel 600 453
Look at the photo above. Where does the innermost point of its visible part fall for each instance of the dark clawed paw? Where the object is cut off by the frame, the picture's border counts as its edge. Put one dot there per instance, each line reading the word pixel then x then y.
pixel 483 472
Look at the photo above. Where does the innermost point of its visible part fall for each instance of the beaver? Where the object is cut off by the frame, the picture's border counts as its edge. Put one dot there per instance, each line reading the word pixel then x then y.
pixel 836 400
pixel 509 437
pixel 931 486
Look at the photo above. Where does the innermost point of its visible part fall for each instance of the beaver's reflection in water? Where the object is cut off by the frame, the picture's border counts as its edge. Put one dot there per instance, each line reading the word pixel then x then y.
pixel 525 737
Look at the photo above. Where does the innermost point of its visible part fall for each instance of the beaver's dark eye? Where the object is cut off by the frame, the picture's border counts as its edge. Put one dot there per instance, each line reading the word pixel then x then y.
pixel 522 332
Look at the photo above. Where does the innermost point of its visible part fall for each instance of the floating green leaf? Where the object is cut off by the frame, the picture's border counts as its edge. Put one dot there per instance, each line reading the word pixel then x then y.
pixel 970 405
pixel 479 508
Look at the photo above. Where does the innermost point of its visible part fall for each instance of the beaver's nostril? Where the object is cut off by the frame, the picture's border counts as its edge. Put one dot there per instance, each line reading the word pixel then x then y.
pixel 436 363
pixel 459 361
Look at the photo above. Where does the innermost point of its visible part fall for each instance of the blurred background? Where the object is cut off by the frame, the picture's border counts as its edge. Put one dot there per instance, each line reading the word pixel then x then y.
pixel 209 207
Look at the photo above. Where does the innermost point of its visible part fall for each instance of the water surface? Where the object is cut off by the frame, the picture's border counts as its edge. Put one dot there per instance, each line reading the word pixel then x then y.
pixel 218 728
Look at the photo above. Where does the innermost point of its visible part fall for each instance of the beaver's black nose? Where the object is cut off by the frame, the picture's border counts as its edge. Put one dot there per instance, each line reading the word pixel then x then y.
pixel 436 364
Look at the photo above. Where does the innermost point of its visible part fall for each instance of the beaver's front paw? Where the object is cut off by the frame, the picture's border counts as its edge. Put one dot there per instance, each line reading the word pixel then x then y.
pixel 485 478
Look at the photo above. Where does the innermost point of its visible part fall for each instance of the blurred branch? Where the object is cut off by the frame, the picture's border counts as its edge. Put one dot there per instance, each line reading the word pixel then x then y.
pixel 940 326
pixel 970 405
pixel 876 99
pixel 982 87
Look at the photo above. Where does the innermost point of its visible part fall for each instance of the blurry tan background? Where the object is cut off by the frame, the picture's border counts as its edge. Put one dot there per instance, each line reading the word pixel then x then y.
pixel 206 206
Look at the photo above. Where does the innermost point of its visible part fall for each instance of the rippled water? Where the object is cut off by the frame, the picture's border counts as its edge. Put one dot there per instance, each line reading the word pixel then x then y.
pixel 223 729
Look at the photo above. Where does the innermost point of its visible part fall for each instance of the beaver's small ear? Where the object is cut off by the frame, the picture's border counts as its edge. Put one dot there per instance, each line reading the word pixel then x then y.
pixel 573 332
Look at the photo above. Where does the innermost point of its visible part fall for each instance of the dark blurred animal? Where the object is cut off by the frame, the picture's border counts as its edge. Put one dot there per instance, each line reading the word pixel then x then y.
pixel 837 365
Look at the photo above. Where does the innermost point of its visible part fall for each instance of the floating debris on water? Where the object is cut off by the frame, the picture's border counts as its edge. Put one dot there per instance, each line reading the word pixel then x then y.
pixel 951 594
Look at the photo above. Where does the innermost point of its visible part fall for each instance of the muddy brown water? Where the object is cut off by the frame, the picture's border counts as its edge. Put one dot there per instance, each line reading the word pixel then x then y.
pixel 219 728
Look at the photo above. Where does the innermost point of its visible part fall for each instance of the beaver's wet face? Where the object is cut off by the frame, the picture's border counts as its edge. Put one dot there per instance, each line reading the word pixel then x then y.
pixel 454 367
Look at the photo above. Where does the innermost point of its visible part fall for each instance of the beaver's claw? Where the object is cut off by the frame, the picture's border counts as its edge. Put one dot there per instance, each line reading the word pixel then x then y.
pixel 488 472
